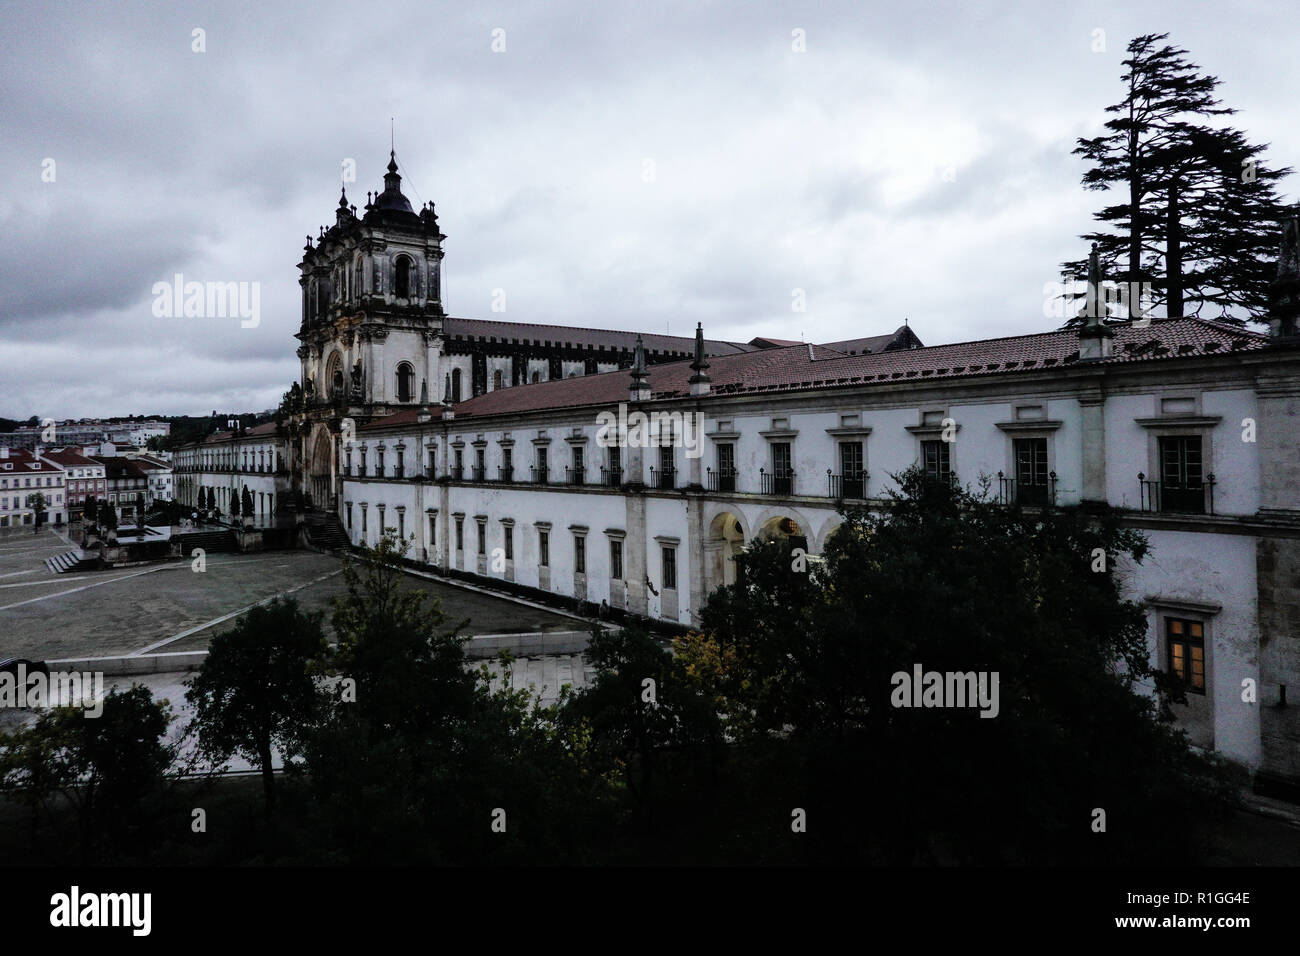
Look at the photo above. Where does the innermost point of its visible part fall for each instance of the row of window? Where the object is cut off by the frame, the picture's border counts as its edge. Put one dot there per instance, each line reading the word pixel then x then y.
pixel 18 501
pixel 668 553
pixel 1181 486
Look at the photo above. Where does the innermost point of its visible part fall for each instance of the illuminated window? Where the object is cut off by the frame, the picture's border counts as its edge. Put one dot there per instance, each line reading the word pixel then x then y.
pixel 1186 640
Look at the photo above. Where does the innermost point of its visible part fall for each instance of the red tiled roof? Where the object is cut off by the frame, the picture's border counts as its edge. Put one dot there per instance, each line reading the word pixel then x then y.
pixel 257 431
pixel 796 369
pixel 612 339
pixel 30 463
pixel 68 458
pixel 115 467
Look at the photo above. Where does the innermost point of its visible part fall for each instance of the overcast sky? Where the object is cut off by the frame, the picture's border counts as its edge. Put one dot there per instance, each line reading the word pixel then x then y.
pixel 620 165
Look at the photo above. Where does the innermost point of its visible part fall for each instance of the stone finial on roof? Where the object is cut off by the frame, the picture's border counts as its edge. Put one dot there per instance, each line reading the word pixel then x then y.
pixel 640 390
pixel 1094 338
pixel 700 380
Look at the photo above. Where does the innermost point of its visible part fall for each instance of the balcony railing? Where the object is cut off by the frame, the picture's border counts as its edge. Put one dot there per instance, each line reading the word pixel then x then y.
pixel 1194 498
pixel 479 473
pixel 722 480
pixel 1029 494
pixel 776 482
pixel 852 485
pixel 611 477
pixel 665 479
pixel 505 474
pixel 540 475
pixel 457 472
pixel 575 476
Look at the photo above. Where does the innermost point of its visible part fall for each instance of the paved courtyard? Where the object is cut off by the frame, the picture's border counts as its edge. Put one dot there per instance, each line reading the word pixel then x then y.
pixel 171 607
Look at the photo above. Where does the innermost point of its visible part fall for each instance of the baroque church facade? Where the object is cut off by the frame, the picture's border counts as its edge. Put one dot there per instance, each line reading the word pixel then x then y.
pixel 486 448
pixel 375 338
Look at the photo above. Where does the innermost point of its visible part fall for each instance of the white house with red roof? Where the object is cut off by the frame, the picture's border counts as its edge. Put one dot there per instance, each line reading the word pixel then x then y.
pixel 23 476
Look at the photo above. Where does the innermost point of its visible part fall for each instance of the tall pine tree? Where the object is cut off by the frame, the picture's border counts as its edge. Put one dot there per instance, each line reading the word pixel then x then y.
pixel 1196 206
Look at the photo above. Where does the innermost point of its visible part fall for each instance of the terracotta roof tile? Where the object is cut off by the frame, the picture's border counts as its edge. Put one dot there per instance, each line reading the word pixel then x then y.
pixel 783 369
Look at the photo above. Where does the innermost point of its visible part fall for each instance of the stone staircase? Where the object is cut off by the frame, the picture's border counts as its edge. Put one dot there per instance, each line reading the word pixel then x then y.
pixel 326 532
pixel 71 561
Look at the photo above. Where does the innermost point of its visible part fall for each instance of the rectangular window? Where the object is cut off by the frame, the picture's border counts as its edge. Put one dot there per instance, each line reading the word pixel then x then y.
pixel 1031 471
pixel 460 534
pixel 852 484
pixel 482 537
pixel 781 481
pixel 616 559
pixel 579 554
pixel 379 463
pixel 1186 641
pixel 510 543
pixel 433 531
pixel 667 469
pixel 401 525
pixel 349 516
pixel 670 567
pixel 1181 487
pixel 544 549
pixel 935 457
pixel 579 459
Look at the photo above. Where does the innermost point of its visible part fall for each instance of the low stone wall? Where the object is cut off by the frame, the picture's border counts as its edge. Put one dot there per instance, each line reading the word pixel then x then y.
pixel 133 664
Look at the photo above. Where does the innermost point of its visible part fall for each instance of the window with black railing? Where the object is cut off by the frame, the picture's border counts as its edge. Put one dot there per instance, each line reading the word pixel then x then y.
pixel 848 485
pixel 457 472
pixel 506 473
pixel 611 477
pixel 776 482
pixel 1182 486
pixel 575 476
pixel 479 473
pixel 721 480
pixel 664 479
pixel 1034 494
pixel 780 479
pixel 539 475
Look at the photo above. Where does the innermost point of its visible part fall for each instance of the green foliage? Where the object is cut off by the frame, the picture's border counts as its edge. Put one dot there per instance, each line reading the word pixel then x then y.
pixel 419 749
pixel 1194 209
pixel 802 666
pixel 109 769
pixel 257 688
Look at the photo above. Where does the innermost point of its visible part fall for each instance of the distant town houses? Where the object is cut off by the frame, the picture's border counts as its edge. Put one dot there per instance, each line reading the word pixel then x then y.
pixel 70 433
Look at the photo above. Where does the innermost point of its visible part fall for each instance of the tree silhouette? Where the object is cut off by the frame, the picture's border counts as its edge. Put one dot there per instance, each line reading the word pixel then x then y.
pixel 1196 203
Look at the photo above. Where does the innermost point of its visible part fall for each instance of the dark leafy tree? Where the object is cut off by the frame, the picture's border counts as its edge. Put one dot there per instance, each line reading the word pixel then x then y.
pixel 1194 201
pixel 257 687
pixel 806 666
pixel 645 718
pixel 247 499
pixel 419 749
pixel 110 769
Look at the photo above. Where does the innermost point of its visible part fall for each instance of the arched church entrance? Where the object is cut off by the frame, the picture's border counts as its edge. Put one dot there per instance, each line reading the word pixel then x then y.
pixel 321 474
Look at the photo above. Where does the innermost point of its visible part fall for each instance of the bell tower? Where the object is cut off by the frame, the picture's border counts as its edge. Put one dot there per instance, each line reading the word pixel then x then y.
pixel 371 328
